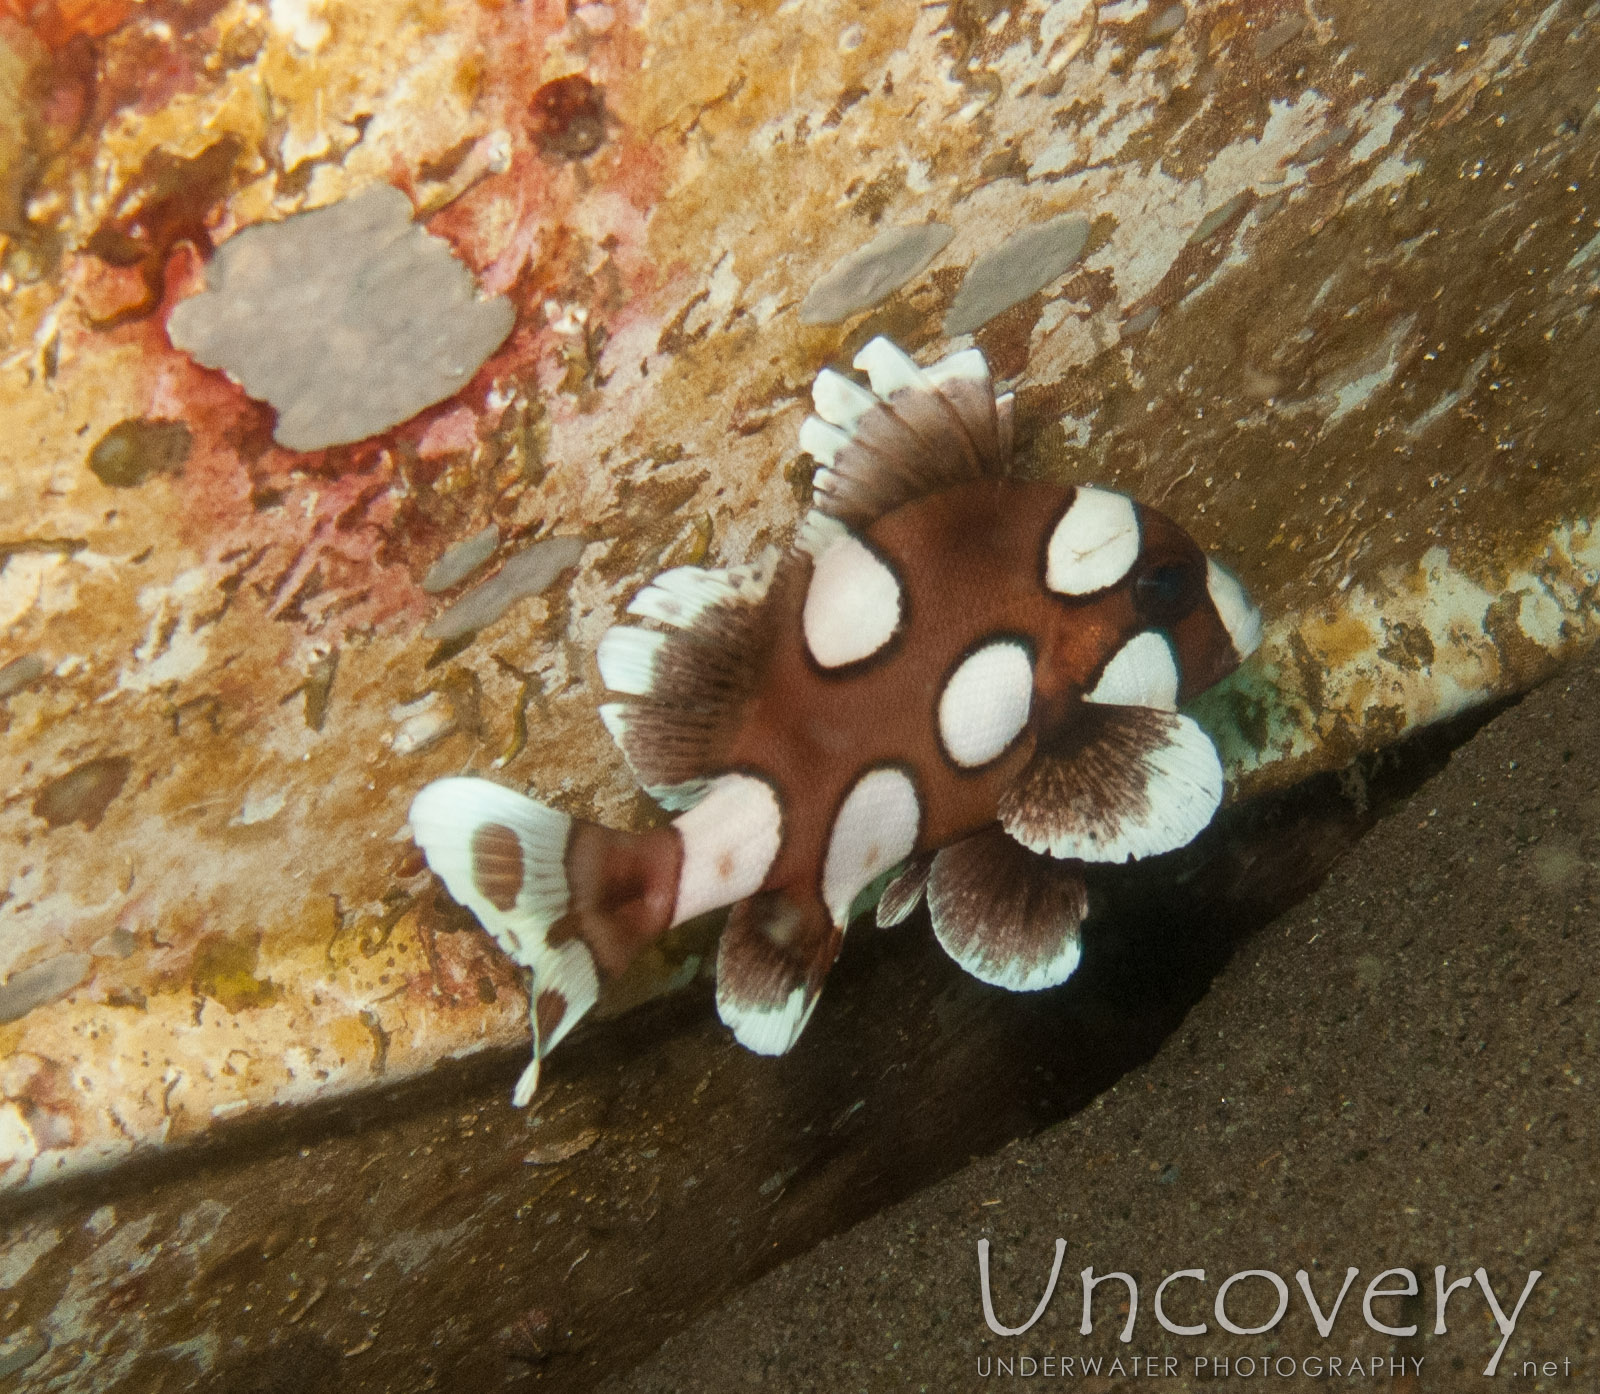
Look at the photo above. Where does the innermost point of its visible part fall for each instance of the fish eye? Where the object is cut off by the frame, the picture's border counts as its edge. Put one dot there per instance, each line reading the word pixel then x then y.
pixel 1165 594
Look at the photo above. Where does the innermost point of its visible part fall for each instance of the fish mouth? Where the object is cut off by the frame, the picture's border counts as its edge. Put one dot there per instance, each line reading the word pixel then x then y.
pixel 1238 613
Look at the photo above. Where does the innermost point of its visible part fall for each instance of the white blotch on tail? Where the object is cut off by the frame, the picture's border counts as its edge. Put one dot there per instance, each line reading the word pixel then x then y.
pixel 730 839
pixel 1094 544
pixel 986 703
pixel 1143 673
pixel 876 829
pixel 473 834
pixel 627 659
pixel 853 604
pixel 1234 607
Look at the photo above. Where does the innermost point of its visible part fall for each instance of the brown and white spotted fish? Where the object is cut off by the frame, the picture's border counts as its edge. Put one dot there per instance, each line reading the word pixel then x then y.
pixel 973 676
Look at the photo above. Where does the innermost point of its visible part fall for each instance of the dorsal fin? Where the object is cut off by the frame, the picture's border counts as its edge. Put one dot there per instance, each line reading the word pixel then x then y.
pixel 1009 916
pixel 686 682
pixel 915 432
pixel 1120 782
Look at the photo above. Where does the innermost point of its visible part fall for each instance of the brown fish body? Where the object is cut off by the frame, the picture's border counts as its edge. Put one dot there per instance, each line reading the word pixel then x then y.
pixel 970 676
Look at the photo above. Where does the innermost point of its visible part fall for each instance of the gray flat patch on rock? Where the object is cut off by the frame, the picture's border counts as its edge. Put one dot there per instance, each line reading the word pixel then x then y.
pixel 1024 263
pixel 42 983
pixel 871 273
pixel 461 560
pixel 348 319
pixel 20 673
pixel 527 573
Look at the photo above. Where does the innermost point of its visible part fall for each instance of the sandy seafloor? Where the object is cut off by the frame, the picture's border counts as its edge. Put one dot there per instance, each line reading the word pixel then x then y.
pixel 1400 1073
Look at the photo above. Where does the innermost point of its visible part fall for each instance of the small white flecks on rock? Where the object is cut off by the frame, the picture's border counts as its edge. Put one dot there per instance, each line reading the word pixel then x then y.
pixel 1143 673
pixel 876 829
pixel 421 723
pixel 1024 263
pixel 349 319
pixel 1217 217
pixel 17 1142
pixel 20 673
pixel 1137 324
pixel 527 573
pixel 853 604
pixel 1094 544
pixel 259 807
pixel 730 839
pixel 874 272
pixel 986 703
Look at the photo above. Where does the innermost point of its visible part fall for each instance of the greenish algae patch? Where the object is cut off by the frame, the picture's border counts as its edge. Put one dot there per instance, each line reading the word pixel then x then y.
pixel 138 449
pixel 225 971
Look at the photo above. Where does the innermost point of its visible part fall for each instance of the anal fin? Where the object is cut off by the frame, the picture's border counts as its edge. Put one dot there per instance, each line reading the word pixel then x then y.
pixel 1121 782
pixel 773 959
pixel 1009 916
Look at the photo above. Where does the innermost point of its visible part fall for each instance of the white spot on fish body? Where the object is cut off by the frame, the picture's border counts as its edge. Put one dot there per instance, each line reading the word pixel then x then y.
pixel 730 840
pixel 1239 616
pixel 986 703
pixel 853 605
pixel 876 827
pixel 1094 544
pixel 1143 673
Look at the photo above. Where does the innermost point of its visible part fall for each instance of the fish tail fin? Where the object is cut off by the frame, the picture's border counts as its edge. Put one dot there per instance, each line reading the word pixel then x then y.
pixel 685 683
pixel 570 901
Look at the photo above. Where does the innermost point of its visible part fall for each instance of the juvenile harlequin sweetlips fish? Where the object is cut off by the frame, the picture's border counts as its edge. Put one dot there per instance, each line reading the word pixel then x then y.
pixel 971 675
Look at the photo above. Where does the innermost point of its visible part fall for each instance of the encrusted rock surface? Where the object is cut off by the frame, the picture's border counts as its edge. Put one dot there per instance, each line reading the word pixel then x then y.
pixel 1335 313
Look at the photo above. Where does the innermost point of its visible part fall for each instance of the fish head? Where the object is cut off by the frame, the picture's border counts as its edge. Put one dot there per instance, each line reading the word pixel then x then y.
pixel 1198 603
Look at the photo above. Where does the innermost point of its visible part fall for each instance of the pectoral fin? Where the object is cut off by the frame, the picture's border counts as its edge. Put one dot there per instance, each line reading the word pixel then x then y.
pixel 1123 782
